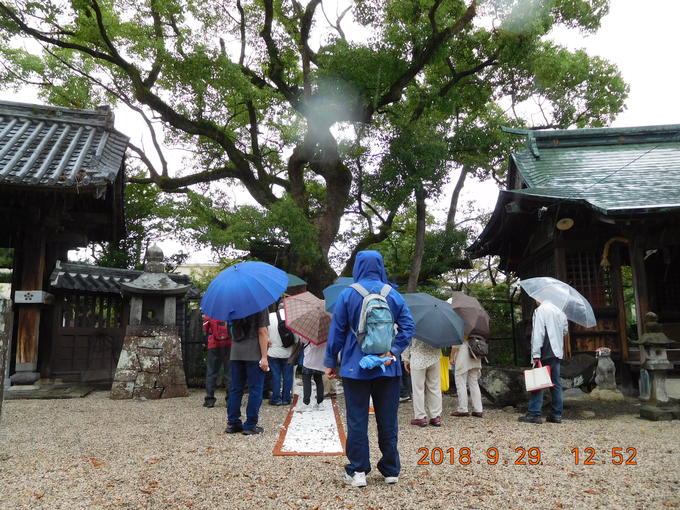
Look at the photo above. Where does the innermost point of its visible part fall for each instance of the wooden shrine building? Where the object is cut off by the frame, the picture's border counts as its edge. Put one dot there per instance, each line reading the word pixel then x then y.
pixel 600 210
pixel 61 186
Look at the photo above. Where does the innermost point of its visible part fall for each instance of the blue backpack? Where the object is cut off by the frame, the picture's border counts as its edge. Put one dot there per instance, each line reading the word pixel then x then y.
pixel 376 324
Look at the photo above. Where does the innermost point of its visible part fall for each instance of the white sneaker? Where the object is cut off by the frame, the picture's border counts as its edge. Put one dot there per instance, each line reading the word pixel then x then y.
pixel 318 407
pixel 358 480
pixel 391 480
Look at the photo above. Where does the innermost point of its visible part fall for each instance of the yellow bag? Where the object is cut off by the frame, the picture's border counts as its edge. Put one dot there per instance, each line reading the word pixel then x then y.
pixel 444 369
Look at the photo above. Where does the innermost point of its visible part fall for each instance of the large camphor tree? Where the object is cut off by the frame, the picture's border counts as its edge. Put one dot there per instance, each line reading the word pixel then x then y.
pixel 332 115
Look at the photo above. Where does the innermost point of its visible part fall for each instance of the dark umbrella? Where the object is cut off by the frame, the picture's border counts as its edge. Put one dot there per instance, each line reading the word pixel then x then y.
pixel 472 312
pixel 295 281
pixel 243 289
pixel 436 322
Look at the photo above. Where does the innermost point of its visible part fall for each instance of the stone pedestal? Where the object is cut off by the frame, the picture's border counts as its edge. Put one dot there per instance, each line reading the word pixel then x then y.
pixel 150 365
pixel 605 378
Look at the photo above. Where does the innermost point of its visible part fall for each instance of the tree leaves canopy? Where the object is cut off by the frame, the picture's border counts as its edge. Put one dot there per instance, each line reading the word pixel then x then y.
pixel 315 122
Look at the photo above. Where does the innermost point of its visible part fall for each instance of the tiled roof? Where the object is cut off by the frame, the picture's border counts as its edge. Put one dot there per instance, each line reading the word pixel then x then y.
pixel 613 170
pixel 106 280
pixel 58 147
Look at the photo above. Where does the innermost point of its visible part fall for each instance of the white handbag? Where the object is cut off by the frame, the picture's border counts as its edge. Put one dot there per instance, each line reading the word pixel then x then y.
pixel 538 378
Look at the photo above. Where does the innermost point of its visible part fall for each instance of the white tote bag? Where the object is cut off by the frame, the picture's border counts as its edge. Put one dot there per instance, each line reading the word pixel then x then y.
pixel 538 378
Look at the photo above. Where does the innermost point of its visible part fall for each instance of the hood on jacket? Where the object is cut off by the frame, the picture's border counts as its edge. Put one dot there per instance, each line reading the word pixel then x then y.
pixel 369 266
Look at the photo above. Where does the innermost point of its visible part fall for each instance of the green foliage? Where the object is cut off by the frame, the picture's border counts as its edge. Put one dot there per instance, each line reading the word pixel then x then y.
pixel 6 258
pixel 205 220
pixel 444 251
pixel 149 215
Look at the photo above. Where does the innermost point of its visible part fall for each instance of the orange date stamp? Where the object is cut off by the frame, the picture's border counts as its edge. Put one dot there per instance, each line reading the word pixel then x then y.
pixel 522 456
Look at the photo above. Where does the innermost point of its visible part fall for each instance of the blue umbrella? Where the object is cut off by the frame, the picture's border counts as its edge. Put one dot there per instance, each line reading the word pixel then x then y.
pixel 331 293
pixel 436 322
pixel 243 289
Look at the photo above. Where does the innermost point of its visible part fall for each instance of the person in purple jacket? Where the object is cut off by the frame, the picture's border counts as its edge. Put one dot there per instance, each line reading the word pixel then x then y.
pixel 360 384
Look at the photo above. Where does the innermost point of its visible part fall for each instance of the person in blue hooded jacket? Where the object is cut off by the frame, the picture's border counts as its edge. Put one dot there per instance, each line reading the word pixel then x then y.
pixel 361 384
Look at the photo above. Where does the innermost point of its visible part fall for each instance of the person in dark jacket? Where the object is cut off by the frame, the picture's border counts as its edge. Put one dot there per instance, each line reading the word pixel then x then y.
pixel 360 385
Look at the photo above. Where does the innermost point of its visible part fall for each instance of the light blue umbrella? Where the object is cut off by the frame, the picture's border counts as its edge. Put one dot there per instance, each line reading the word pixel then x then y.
pixel 331 293
pixel 243 289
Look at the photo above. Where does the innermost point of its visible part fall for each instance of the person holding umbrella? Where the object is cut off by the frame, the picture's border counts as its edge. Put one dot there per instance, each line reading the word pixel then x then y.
pixel 549 327
pixel 437 326
pixel 241 295
pixel 468 366
pixel 557 302
pixel 421 360
pixel 362 384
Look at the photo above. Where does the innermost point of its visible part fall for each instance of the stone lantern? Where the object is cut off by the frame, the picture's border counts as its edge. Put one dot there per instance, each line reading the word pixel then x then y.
pixel 150 363
pixel 656 364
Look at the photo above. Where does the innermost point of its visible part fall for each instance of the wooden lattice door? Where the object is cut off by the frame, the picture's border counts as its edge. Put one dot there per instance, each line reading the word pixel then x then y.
pixel 89 338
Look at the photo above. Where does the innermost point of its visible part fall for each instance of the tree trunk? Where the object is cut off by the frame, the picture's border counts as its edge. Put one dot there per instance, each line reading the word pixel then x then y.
pixel 451 217
pixel 421 213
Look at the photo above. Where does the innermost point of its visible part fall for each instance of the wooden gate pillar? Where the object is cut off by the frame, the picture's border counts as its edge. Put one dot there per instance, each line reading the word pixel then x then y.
pixel 32 275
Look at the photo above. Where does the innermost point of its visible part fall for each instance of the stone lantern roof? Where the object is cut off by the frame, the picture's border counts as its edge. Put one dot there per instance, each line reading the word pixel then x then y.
pixel 154 280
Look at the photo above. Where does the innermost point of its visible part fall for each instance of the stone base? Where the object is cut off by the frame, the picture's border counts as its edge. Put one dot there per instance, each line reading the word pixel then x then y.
pixel 27 378
pixel 23 387
pixel 150 367
pixel 659 413
pixel 606 395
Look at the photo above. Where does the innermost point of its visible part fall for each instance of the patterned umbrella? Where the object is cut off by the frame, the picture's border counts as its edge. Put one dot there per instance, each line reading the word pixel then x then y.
pixel 472 312
pixel 307 316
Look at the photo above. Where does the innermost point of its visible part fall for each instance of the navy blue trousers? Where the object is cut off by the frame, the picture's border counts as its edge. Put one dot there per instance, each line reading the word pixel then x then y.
pixel 245 373
pixel 385 394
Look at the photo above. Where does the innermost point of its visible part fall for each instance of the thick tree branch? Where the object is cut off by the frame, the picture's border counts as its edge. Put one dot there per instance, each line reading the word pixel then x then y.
pixel 242 32
pixel 147 162
pixel 370 239
pixel 421 57
pixel 276 67
pixel 41 36
pixel 307 53
pixel 454 80
pixel 172 184
pixel 120 61
pixel 158 33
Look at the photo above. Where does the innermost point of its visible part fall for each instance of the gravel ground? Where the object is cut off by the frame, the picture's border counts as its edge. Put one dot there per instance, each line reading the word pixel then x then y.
pixel 98 453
